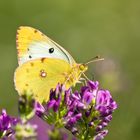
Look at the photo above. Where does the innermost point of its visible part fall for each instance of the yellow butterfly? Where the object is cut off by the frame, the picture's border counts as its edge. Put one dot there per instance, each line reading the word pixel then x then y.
pixel 43 64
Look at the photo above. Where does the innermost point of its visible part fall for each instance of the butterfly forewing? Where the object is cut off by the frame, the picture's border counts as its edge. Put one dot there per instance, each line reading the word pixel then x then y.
pixel 32 44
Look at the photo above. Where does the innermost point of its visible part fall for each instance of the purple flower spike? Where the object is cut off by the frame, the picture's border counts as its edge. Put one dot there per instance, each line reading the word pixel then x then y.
pixel 90 107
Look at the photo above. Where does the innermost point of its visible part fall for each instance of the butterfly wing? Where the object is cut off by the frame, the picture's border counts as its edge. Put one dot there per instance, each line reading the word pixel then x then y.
pixel 33 44
pixel 40 75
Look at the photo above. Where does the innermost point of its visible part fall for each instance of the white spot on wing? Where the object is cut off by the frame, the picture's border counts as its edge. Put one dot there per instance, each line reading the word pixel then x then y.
pixel 43 73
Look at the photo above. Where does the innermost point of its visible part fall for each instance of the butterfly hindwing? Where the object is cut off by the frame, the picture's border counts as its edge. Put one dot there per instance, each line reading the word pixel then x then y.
pixel 40 75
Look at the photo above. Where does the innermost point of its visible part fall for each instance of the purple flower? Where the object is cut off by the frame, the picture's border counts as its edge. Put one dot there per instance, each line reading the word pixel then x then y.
pixel 5 121
pixel 66 97
pixel 101 135
pixel 39 109
pixel 88 97
pixel 54 104
pixel 104 102
pixel 6 125
pixel 72 118
pixel 93 85
pixel 55 98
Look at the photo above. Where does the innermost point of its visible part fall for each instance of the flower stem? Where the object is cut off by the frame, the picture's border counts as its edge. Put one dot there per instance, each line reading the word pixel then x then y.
pixel 86 136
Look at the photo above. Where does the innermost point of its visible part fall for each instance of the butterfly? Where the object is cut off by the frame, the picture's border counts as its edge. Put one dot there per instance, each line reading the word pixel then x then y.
pixel 43 64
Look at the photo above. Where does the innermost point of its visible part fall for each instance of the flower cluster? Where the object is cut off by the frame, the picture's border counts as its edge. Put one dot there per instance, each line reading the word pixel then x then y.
pixel 17 128
pixel 6 124
pixel 85 113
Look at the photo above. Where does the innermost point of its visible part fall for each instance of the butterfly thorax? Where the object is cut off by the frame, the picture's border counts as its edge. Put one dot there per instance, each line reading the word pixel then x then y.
pixel 74 75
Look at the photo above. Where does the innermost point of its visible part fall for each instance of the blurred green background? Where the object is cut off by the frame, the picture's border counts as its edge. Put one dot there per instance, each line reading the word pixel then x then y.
pixel 85 28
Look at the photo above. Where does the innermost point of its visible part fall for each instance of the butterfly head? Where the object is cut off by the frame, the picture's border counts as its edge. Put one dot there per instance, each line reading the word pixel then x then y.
pixel 83 68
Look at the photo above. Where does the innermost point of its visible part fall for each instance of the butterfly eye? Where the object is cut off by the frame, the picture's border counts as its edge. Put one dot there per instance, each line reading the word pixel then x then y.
pixel 51 50
pixel 82 67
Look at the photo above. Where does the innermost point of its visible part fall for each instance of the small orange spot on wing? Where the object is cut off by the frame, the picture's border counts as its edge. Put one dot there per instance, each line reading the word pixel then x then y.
pixel 27 70
pixel 35 31
pixel 43 59
pixel 32 64
pixel 26 85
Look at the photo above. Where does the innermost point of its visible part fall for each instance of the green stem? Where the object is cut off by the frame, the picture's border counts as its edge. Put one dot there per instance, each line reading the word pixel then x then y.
pixel 86 135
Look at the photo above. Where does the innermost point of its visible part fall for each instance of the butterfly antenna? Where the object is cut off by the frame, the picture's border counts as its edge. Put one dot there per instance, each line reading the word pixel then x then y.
pixel 95 59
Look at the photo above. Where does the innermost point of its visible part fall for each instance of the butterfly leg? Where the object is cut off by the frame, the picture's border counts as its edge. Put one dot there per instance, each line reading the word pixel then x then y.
pixel 67 77
pixel 86 77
